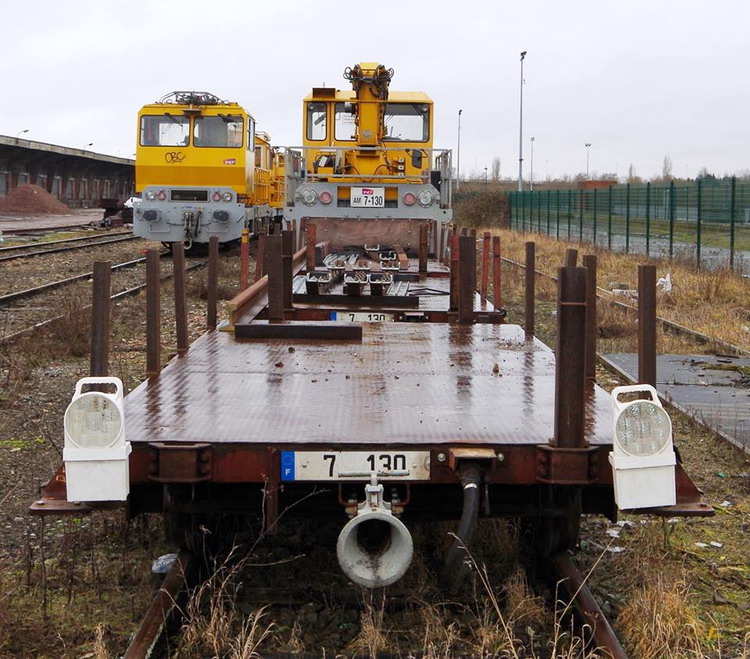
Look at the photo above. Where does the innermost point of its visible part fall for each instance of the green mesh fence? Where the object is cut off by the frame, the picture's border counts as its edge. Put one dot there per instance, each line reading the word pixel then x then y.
pixel 705 222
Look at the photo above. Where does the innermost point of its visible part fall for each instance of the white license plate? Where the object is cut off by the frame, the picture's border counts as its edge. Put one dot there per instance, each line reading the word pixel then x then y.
pixel 367 197
pixel 354 465
pixel 361 317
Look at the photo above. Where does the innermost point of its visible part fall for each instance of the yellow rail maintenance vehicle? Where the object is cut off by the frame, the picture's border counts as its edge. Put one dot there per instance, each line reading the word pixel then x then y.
pixel 202 170
pixel 367 154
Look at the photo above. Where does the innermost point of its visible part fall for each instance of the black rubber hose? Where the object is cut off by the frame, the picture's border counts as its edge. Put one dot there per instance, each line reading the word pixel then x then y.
pixel 455 564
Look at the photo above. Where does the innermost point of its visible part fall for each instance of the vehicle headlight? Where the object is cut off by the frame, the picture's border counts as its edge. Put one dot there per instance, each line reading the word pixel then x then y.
pixel 227 196
pixel 150 195
pixel 308 196
pixel 643 429
pixel 425 198
pixel 93 420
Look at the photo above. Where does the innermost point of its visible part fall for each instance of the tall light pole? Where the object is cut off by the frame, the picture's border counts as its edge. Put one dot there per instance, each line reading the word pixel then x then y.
pixel 21 132
pixel 531 173
pixel 520 132
pixel 588 148
pixel 458 153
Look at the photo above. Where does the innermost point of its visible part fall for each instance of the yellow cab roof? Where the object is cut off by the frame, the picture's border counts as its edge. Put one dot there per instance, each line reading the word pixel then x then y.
pixel 176 108
pixel 329 93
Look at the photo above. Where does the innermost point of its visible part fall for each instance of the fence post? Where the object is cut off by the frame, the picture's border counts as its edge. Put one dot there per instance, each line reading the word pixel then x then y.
pixel 548 196
pixel 557 204
pixel 672 207
pixel 698 226
pixel 732 220
pixel 589 262
pixel 648 218
pixel 570 209
pixel 609 219
pixel 627 218
pixel 580 215
pixel 595 217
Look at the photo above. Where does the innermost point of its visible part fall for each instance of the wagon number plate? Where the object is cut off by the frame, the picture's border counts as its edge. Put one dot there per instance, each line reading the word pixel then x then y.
pixel 367 197
pixel 361 317
pixel 354 465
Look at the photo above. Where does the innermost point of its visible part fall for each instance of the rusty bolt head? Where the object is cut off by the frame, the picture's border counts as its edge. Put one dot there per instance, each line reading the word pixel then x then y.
pixel 442 457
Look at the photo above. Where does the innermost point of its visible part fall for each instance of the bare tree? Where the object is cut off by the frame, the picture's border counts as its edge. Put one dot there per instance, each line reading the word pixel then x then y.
pixel 495 169
pixel 666 169
pixel 632 176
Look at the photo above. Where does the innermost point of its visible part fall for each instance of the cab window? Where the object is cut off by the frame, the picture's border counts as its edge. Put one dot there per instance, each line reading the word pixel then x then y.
pixel 165 130
pixel 345 124
pixel 224 130
pixel 317 124
pixel 407 122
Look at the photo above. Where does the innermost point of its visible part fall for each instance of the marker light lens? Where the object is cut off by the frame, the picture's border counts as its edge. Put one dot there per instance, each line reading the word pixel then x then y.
pixel 93 421
pixel 643 429
pixel 410 198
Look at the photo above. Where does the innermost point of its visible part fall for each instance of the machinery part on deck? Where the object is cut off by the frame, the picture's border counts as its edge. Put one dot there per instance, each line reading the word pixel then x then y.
pixel 587 607
pixel 374 548
pixel 157 615
pixel 456 568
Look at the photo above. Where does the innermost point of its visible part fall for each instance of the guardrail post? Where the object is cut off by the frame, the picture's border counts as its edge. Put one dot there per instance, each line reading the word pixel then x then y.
pixel 244 259
pixel 180 297
pixel 260 260
pixel 153 313
pixel 423 247
pixel 101 311
pixel 496 273
pixel 570 355
pixel 312 239
pixel 275 268
pixel 589 262
pixel 213 282
pixel 647 324
pixel 486 240
pixel 467 278
pixel 287 254
pixel 530 281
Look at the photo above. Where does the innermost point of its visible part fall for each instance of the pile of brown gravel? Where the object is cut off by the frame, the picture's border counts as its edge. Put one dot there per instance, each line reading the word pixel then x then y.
pixel 30 199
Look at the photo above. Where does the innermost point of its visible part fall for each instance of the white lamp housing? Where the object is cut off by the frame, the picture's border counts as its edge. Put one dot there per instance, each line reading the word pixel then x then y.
pixel 643 460
pixel 96 450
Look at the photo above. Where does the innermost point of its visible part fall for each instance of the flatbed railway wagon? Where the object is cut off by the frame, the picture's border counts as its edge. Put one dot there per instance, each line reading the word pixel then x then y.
pixel 376 378
pixel 202 169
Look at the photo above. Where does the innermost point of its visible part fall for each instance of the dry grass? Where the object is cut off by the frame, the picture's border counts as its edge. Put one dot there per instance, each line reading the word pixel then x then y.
pixel 659 621
pixel 213 626
pixel 711 302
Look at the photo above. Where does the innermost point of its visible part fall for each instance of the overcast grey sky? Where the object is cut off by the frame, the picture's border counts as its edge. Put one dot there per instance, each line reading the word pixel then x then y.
pixel 637 79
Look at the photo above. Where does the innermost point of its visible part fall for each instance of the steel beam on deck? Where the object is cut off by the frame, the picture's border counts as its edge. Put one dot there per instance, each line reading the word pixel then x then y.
pixel 467 278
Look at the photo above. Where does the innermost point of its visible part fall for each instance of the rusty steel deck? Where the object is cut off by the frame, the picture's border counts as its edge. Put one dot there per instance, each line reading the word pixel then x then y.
pixel 405 383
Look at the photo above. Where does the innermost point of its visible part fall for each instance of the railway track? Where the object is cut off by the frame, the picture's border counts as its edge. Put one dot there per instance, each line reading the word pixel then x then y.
pixel 27 251
pixel 23 320
pixel 164 614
